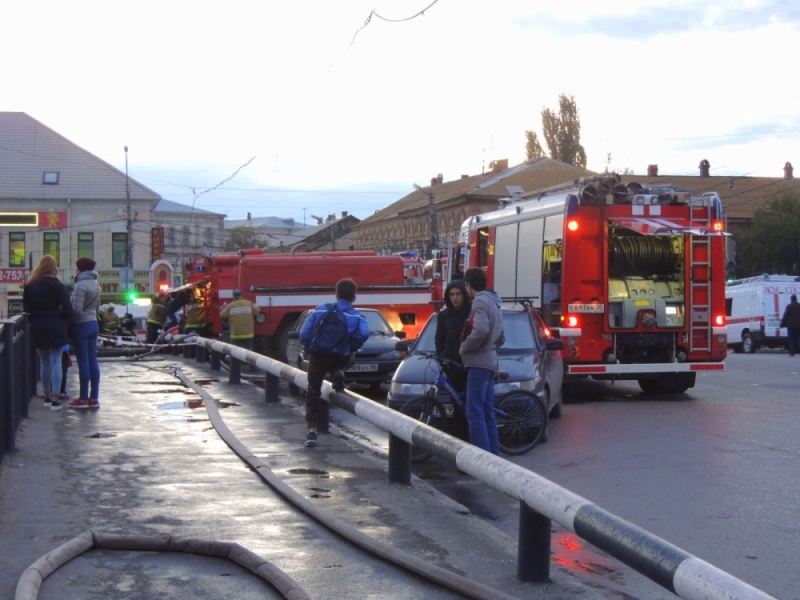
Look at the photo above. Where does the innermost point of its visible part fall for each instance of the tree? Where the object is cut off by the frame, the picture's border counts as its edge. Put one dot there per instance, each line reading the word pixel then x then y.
pixel 244 237
pixel 533 149
pixel 772 244
pixel 562 132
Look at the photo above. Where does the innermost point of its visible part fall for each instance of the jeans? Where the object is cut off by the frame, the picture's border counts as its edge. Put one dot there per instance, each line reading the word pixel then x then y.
pixel 320 365
pixel 794 340
pixel 480 410
pixel 50 370
pixel 84 340
pixel 152 332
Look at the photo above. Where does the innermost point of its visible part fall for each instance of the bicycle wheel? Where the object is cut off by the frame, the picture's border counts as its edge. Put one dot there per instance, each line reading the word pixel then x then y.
pixel 430 411
pixel 521 421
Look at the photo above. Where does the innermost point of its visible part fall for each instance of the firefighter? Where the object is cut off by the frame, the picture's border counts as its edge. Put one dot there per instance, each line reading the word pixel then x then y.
pixel 240 315
pixel 110 321
pixel 156 317
pixel 196 318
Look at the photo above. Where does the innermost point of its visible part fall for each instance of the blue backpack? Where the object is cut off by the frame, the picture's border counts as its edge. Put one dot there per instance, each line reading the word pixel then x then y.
pixel 330 334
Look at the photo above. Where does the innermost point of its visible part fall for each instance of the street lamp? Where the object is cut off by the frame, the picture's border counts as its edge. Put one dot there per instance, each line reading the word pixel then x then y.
pixel 434 223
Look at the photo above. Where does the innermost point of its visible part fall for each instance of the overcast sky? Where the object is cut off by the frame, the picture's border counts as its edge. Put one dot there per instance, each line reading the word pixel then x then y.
pixel 342 116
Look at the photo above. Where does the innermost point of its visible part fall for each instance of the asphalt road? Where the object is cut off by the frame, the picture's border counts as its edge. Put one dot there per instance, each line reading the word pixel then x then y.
pixel 714 471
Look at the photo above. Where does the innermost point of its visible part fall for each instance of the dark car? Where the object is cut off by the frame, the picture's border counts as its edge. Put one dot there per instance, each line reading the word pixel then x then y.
pixel 524 356
pixel 377 359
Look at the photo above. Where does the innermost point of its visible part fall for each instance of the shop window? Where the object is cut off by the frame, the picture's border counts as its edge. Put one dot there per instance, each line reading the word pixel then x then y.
pixel 16 249
pixel 119 249
pixel 86 245
pixel 51 245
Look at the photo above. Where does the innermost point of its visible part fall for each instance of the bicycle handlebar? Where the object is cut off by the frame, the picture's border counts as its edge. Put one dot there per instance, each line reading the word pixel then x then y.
pixel 441 360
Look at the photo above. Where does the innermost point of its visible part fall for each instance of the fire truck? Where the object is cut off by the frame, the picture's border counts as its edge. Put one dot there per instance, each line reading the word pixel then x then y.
pixel 284 285
pixel 631 277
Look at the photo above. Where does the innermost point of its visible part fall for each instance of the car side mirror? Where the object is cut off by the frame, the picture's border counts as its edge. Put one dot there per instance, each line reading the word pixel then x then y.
pixel 401 335
pixel 294 335
pixel 555 344
pixel 401 346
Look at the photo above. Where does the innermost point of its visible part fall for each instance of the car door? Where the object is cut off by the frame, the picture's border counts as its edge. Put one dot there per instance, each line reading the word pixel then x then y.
pixel 294 348
pixel 551 361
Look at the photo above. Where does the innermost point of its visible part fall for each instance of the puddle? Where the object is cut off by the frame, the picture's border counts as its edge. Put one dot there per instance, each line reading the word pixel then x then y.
pixel 206 381
pixel 169 391
pixel 102 435
pixel 323 474
pixel 221 404
pixel 320 490
pixel 180 405
pixel 432 477
pixel 319 496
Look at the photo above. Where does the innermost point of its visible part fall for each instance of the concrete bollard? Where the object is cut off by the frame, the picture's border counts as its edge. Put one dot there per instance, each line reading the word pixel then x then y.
pixel 399 461
pixel 200 354
pixel 271 393
pixel 176 350
pixel 533 552
pixel 187 351
pixel 216 360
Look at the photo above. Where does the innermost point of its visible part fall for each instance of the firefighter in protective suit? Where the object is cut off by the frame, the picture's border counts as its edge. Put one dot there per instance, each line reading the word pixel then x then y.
pixel 156 317
pixel 240 315
pixel 110 321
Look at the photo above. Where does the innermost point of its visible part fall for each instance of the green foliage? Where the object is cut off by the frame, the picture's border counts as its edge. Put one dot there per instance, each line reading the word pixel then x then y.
pixel 244 237
pixel 772 244
pixel 562 133
pixel 533 149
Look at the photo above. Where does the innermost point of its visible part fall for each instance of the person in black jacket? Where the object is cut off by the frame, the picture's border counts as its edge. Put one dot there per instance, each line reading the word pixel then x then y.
pixel 449 325
pixel 791 320
pixel 45 299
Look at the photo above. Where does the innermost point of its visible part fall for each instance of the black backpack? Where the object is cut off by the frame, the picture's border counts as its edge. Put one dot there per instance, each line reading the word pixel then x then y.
pixel 330 334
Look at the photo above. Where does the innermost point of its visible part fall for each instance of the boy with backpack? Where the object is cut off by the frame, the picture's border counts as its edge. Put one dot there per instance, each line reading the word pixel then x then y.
pixel 331 336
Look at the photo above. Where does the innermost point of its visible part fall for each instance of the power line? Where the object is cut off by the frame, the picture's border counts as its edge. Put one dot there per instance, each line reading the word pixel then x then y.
pixel 374 14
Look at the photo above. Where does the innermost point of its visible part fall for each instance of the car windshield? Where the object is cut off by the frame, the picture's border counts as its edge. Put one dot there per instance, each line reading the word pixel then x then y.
pixel 516 325
pixel 376 323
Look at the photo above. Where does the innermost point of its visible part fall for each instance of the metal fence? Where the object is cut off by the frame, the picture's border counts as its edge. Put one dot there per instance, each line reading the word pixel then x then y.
pixel 541 500
pixel 17 378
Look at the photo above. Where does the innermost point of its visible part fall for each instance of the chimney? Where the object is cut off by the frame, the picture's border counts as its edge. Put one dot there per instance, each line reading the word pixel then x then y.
pixel 440 179
pixel 652 170
pixel 344 214
pixel 787 171
pixel 465 177
pixel 498 166
pixel 704 168
pixel 249 218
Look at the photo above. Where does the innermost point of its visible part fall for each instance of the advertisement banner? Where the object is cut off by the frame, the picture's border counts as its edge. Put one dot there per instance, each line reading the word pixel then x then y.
pixel 17 276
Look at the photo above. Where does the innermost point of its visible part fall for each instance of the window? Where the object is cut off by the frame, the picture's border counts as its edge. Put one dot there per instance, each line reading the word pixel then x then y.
pixel 209 237
pixel 119 249
pixel 16 249
pixel 483 247
pixel 551 284
pixel 51 245
pixel 185 236
pixel 86 245
pixel 50 178
pixel 170 237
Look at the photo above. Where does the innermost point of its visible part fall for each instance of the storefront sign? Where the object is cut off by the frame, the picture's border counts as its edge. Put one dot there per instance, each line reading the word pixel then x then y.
pixel 110 281
pixel 157 243
pixel 14 275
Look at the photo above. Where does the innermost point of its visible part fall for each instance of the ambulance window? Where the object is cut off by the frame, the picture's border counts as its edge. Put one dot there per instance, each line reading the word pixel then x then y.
pixel 483 247
pixel 728 306
pixel 551 284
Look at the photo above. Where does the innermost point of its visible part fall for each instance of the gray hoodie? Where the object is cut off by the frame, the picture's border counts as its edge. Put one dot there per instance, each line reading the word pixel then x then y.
pixel 485 336
pixel 85 297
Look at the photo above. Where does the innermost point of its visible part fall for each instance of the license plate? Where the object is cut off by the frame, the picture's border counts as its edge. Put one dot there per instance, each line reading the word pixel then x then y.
pixel 362 368
pixel 448 408
pixel 586 308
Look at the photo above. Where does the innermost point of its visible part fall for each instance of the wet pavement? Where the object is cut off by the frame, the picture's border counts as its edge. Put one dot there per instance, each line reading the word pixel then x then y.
pixel 149 462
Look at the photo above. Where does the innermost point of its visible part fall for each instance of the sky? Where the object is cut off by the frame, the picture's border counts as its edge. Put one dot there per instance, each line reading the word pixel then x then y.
pixel 318 107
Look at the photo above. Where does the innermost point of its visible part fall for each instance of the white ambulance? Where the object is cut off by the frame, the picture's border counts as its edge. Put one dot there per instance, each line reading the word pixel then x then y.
pixel 754 307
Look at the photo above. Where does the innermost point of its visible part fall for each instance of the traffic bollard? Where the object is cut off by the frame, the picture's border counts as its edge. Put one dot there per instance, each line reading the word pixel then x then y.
pixel 235 375
pixel 399 460
pixel 216 360
pixel 271 388
pixel 533 554
pixel 187 351
pixel 200 354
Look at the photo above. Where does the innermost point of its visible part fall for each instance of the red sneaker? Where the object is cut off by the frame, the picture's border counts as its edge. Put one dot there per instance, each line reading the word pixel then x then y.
pixel 78 403
pixel 94 404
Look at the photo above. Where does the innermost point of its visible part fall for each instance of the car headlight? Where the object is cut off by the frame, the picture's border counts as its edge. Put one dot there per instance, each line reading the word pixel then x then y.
pixel 407 389
pixel 393 355
pixel 503 387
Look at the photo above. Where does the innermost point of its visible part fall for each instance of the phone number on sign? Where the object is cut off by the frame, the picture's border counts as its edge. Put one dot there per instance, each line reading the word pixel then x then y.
pixel 13 275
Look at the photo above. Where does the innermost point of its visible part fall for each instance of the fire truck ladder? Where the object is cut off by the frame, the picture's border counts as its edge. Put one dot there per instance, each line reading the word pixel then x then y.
pixel 700 294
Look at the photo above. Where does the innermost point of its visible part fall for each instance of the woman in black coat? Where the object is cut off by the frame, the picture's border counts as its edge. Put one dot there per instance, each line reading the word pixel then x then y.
pixel 45 299
pixel 449 325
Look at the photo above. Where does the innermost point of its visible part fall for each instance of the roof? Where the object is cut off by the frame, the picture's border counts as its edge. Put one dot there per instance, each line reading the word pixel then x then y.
pixel 315 236
pixel 741 196
pixel 263 222
pixel 531 175
pixel 28 149
pixel 168 206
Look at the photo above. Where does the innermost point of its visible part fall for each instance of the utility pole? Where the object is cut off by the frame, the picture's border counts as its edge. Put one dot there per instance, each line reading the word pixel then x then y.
pixel 434 226
pixel 129 229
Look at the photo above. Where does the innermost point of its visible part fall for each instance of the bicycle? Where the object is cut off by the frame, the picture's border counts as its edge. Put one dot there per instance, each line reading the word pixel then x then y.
pixel 521 415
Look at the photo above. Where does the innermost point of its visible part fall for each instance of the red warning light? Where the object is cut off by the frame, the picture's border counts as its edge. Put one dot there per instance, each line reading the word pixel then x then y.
pixel 163 287
pixel 717 226
pixel 572 321
pixel 719 320
pixel 572 225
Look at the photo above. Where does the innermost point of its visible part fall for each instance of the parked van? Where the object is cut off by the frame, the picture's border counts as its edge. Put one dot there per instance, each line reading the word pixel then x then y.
pixel 754 307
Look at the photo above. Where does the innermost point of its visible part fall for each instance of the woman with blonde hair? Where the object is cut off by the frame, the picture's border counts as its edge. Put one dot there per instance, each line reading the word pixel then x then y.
pixel 45 299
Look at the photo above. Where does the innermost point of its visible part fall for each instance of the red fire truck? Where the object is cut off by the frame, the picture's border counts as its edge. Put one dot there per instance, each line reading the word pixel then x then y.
pixel 632 278
pixel 284 285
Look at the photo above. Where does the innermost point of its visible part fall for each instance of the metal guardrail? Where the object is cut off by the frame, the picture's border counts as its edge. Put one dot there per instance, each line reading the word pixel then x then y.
pixel 17 378
pixel 541 500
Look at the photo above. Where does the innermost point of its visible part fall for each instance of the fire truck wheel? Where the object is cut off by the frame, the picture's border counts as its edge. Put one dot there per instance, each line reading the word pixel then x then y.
pixel 749 345
pixel 649 386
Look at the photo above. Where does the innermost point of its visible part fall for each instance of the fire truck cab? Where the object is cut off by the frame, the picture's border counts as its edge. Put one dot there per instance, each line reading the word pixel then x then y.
pixel 754 308
pixel 630 277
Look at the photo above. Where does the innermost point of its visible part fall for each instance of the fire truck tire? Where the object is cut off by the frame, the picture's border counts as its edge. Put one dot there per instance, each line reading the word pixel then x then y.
pixel 649 386
pixel 521 422
pixel 749 345
pixel 430 411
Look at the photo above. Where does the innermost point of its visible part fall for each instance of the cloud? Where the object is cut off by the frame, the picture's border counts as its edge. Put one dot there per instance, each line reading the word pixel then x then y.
pixel 782 129
pixel 652 21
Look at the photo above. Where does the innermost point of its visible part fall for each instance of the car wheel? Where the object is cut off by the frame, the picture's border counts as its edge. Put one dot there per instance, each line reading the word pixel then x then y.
pixel 555 412
pixel 749 345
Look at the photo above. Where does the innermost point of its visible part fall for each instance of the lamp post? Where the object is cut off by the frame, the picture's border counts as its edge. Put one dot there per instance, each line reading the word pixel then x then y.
pixel 434 227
